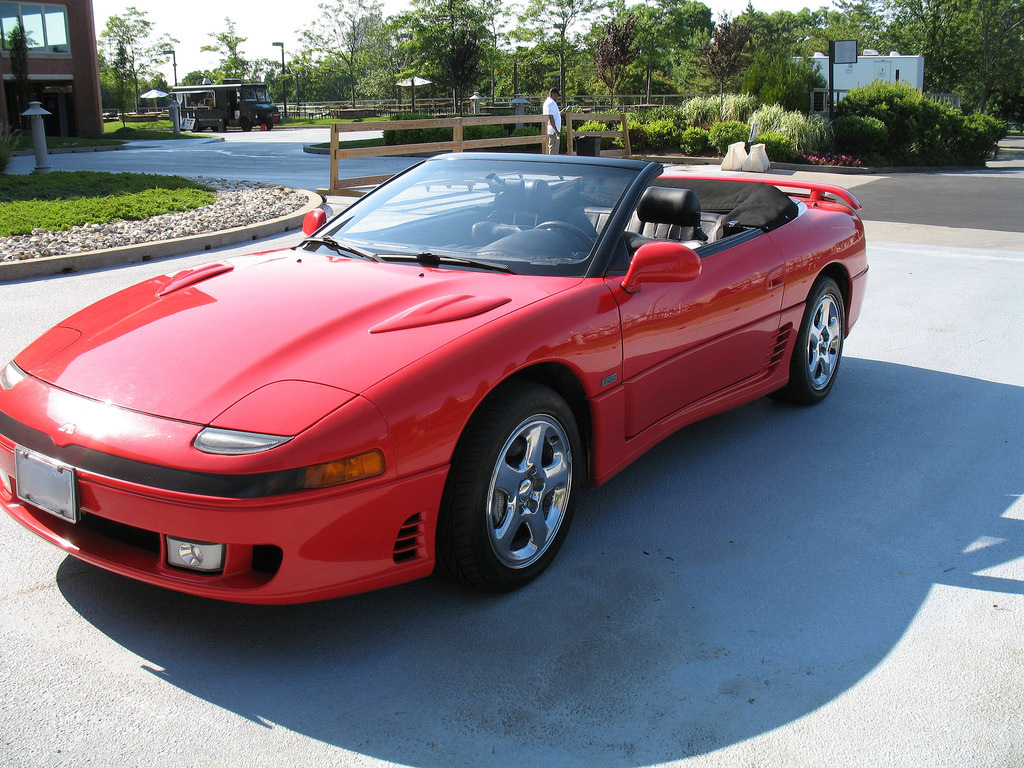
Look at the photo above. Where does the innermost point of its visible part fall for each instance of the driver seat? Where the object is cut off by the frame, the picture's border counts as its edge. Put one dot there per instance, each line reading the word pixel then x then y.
pixel 666 213
pixel 521 204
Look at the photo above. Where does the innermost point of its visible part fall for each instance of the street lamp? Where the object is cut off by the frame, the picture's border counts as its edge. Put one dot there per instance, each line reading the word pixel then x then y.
pixel 174 62
pixel 284 83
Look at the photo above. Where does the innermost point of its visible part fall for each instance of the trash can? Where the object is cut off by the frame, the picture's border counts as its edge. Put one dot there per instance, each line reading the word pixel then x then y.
pixel 588 146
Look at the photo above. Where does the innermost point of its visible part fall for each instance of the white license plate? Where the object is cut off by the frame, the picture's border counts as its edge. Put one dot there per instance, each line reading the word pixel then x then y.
pixel 48 484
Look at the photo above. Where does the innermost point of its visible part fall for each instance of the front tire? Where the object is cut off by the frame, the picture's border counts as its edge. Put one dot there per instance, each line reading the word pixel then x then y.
pixel 507 505
pixel 819 346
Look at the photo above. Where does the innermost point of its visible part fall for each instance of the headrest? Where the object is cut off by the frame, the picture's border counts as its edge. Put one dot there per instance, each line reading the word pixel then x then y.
pixel 669 205
pixel 532 195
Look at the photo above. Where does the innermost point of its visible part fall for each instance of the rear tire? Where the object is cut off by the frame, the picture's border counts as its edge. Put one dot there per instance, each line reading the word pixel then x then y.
pixel 245 124
pixel 508 502
pixel 819 346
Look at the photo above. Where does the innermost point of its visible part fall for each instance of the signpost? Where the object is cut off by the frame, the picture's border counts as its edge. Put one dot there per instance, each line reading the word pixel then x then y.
pixel 839 52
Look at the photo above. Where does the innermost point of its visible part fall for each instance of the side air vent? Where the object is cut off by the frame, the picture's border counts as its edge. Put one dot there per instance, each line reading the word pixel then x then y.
pixel 778 348
pixel 409 542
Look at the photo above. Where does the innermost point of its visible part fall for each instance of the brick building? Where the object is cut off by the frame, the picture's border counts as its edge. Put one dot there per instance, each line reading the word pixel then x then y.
pixel 63 73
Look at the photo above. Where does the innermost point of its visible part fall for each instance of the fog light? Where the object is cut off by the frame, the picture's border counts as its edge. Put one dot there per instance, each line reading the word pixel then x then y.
pixel 5 481
pixel 195 555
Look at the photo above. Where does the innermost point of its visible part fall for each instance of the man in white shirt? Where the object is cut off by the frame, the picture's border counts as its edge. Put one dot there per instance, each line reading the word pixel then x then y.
pixel 554 120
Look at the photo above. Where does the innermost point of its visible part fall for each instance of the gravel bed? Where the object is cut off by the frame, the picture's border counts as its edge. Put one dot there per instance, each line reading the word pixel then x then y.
pixel 239 203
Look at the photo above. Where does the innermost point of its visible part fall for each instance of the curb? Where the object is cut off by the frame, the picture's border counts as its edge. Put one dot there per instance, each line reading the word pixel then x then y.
pixel 158 249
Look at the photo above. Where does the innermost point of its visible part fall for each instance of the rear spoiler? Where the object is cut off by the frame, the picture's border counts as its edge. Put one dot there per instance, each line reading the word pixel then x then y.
pixel 806 190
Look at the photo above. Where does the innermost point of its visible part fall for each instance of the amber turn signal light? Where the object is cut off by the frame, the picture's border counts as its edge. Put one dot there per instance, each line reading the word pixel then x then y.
pixel 359 467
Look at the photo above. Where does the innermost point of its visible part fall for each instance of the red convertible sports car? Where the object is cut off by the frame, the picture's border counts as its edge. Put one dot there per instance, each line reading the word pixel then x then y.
pixel 427 380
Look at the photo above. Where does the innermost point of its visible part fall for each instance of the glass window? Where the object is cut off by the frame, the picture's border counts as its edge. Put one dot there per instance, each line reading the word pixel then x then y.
pixel 8 20
pixel 32 19
pixel 57 29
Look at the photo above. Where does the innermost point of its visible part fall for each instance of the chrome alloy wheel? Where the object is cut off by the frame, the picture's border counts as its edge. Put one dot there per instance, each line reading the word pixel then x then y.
pixel 529 491
pixel 824 341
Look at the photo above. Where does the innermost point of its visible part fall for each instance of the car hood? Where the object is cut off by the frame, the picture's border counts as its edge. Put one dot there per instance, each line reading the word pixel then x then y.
pixel 189 346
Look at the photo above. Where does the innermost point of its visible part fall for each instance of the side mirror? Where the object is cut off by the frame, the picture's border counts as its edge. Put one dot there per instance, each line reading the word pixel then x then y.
pixel 313 220
pixel 662 261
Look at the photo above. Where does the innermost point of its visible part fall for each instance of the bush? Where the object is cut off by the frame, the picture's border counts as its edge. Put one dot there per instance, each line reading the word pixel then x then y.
pixel 694 142
pixel 660 134
pixel 723 134
pixel 637 134
pixel 897 106
pixel 980 135
pixel 701 112
pixel 921 132
pixel 8 139
pixel 860 136
pixel 780 148
pixel 808 134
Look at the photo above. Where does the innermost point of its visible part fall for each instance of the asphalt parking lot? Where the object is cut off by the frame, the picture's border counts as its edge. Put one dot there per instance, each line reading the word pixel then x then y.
pixel 774 587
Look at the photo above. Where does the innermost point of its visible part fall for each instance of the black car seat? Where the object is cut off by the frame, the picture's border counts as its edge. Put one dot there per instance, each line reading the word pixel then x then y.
pixel 666 213
pixel 520 204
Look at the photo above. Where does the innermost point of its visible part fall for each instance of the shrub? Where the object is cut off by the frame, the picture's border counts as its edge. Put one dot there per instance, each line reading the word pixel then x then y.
pixel 8 138
pixel 860 136
pixel 660 134
pixel 694 142
pixel 701 112
pixel 808 134
pixel 780 148
pixel 723 134
pixel 775 78
pixel 898 106
pixel 980 135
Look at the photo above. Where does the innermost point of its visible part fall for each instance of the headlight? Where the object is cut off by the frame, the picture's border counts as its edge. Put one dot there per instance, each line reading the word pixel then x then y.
pixel 11 375
pixel 230 442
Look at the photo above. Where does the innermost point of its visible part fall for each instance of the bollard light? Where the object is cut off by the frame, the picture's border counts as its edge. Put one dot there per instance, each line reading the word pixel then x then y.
pixel 36 112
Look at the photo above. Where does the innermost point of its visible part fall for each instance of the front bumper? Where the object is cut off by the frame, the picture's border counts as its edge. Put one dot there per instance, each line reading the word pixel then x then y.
pixel 138 482
pixel 294 548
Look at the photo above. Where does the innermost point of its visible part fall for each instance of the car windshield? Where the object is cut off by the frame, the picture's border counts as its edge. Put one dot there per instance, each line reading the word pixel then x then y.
pixel 519 216
pixel 256 93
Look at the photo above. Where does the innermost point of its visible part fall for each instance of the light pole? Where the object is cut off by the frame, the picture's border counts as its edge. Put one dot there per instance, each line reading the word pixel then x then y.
pixel 174 62
pixel 284 83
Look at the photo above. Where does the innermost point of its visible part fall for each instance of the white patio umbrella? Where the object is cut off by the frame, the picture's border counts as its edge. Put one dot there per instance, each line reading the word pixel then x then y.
pixel 413 82
pixel 153 93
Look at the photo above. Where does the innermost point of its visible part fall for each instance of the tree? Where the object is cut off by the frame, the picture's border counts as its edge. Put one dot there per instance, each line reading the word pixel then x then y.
pixel 124 93
pixel 17 46
pixel 446 40
pixel 124 38
pixel 775 78
pixel 345 32
pixel 227 45
pixel 553 22
pixel 616 50
pixel 663 29
pixel 722 55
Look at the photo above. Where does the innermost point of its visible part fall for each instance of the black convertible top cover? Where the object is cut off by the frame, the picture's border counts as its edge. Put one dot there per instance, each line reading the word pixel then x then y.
pixel 760 205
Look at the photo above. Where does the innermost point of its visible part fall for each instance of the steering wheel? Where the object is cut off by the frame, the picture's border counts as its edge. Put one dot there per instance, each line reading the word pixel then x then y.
pixel 569 230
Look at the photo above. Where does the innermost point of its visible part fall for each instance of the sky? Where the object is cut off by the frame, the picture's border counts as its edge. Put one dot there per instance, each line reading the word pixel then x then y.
pixel 191 21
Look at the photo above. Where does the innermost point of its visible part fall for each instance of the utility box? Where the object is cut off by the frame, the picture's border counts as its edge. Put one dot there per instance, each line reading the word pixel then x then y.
pixel 872 66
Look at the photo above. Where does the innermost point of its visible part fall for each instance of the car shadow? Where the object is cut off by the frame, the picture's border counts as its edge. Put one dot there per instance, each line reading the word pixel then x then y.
pixel 740 575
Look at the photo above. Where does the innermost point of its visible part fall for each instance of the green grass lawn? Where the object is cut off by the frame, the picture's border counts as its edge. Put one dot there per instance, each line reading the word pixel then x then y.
pixel 60 200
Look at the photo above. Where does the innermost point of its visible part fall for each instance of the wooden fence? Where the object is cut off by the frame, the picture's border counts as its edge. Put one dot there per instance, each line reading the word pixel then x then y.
pixel 358 185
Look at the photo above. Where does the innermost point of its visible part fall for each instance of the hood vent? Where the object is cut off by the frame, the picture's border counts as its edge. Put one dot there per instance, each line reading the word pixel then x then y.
pixel 190 277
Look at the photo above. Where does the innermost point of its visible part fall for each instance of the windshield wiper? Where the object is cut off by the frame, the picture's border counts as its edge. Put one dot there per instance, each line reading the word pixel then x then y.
pixel 338 247
pixel 431 259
